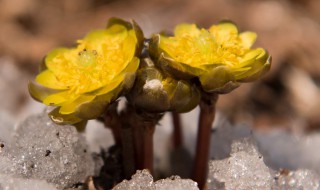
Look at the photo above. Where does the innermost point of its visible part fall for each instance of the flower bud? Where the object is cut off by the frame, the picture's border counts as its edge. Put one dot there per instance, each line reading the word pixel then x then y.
pixel 155 92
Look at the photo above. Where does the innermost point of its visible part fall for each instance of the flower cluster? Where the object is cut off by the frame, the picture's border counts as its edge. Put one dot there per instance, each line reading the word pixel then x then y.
pixel 80 82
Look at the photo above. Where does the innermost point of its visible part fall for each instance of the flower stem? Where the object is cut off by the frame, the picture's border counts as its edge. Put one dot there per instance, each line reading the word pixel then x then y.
pixel 138 145
pixel 206 118
pixel 177 130
pixel 128 151
pixel 112 120
pixel 143 138
pixel 148 132
pixel 121 128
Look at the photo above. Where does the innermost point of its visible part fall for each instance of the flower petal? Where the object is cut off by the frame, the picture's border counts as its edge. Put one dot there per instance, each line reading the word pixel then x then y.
pixel 48 79
pixel 167 64
pixel 261 66
pixel 218 80
pixel 140 38
pixel 177 69
pixel 61 119
pixel 39 92
pixel 131 68
pixel 93 109
pixel 53 54
pixel 133 65
pixel 57 99
pixel 185 97
pixel 129 46
pixel 249 58
pixel 183 29
pixel 109 87
pixel 248 39
pixel 257 60
pixel 133 25
pixel 223 31
pixel 117 21
pixel 71 106
pixel 130 75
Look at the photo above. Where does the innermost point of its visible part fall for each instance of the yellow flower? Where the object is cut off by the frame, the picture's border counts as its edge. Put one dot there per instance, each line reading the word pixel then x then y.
pixel 220 56
pixel 81 81
pixel 155 92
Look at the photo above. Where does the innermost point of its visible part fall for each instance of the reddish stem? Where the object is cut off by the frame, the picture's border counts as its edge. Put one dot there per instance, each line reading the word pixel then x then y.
pixel 206 118
pixel 112 120
pixel 138 145
pixel 148 132
pixel 127 136
pixel 177 130
pixel 128 161
pixel 143 130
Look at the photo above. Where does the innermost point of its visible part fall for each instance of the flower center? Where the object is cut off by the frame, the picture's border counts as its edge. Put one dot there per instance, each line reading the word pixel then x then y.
pixel 87 58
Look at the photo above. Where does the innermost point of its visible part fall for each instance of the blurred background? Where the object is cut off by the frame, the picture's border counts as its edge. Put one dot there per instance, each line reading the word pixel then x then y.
pixel 287 97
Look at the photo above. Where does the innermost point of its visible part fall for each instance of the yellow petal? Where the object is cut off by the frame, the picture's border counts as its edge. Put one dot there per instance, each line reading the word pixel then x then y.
pixel 39 92
pixel 175 67
pixel 117 29
pixel 131 68
pixel 129 46
pixel 93 109
pixel 249 64
pixel 117 21
pixel 97 39
pixel 228 26
pixel 48 79
pixel 57 98
pixel 110 86
pixel 53 55
pixel 223 30
pixel 248 39
pixel 71 106
pixel 183 29
pixel 93 41
pixel 218 80
pixel 129 75
pixel 133 65
pixel 258 67
pixel 95 35
pixel 250 57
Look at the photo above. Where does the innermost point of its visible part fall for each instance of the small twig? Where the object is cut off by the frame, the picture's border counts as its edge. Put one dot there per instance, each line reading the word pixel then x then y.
pixel 206 118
